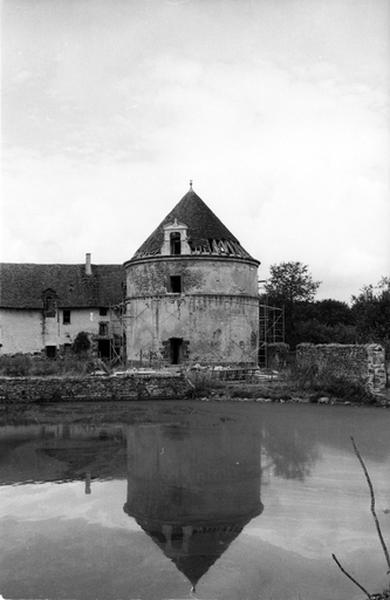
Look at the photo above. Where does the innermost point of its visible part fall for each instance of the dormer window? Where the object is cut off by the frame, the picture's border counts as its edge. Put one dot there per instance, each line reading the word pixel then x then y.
pixel 175 240
pixel 49 304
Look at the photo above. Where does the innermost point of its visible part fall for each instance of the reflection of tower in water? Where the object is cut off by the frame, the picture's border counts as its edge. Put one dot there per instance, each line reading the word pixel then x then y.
pixel 193 485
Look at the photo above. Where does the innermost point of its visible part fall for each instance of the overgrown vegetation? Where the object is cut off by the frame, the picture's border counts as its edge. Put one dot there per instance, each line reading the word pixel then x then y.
pixel 328 321
pixel 202 383
pixel 327 384
pixel 290 385
pixel 26 365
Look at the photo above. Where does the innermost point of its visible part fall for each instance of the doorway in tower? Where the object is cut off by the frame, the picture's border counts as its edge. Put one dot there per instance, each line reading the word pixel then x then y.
pixel 175 350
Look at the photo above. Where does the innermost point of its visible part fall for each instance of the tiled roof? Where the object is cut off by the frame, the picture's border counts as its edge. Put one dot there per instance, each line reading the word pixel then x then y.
pixel 22 285
pixel 206 233
pixel 204 546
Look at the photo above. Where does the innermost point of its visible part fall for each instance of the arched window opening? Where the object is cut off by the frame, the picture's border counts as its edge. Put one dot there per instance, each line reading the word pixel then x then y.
pixel 175 243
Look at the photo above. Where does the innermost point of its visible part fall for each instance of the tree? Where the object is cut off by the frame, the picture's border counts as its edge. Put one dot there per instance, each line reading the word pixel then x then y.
pixel 314 331
pixel 289 285
pixel 291 282
pixel 371 309
pixel 324 322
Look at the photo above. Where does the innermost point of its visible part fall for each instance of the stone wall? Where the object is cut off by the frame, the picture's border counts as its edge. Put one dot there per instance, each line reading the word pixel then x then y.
pixel 357 363
pixel 92 388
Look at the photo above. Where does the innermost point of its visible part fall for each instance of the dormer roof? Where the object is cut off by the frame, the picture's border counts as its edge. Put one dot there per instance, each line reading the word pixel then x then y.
pixel 206 234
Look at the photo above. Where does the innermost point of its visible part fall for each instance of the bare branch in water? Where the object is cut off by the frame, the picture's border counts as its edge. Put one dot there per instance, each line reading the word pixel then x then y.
pixel 350 577
pixel 370 487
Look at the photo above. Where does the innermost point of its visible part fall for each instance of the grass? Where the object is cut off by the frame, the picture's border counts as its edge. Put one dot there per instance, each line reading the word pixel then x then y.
pixel 289 386
pixel 327 384
pixel 26 365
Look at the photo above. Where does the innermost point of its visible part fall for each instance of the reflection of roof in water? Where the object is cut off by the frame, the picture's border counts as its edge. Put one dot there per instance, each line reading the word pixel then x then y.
pixel 195 549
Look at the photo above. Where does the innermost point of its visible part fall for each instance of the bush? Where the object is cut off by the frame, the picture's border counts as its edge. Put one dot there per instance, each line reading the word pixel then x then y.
pixel 203 382
pixel 352 391
pixel 325 383
pixel 82 343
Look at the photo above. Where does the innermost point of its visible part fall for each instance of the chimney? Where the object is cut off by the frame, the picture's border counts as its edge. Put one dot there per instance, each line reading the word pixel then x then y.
pixel 88 270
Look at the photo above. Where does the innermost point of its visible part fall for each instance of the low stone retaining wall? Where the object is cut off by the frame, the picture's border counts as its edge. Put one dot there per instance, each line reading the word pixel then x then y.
pixel 92 388
pixel 363 363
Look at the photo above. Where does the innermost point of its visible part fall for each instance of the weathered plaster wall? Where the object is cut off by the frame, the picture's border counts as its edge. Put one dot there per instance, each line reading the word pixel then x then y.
pixel 216 314
pixel 21 331
pixel 58 389
pixel 358 363
pixel 28 331
pixel 81 319
pixel 218 329
pixel 199 275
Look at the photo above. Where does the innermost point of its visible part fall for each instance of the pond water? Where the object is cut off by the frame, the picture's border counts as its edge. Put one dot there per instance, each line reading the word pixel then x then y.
pixel 237 500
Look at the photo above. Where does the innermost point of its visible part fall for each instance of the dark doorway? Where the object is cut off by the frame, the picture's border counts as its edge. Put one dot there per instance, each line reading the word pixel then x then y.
pixel 175 243
pixel 176 350
pixel 104 348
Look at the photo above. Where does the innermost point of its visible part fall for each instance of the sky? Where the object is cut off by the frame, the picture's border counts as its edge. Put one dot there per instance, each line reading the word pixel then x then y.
pixel 277 109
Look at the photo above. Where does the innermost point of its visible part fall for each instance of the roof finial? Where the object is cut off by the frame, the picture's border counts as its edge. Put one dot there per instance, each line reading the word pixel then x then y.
pixel 190 184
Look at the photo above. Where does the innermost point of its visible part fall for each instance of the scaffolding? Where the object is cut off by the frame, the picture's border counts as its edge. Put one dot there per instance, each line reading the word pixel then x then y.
pixel 271 330
pixel 115 335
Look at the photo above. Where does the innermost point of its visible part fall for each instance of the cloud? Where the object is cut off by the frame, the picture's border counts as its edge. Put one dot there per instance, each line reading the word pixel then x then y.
pixel 278 115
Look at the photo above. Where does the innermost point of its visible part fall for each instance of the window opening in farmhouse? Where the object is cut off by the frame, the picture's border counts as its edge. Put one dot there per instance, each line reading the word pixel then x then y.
pixel 175 243
pixel 176 350
pixel 175 284
pixel 103 328
pixel 66 316
pixel 51 351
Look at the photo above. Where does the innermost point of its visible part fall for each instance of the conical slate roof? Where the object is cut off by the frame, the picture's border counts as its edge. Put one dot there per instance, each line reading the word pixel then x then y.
pixel 206 233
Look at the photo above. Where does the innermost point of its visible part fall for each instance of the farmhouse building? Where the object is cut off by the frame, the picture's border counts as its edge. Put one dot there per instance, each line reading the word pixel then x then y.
pixel 192 293
pixel 43 307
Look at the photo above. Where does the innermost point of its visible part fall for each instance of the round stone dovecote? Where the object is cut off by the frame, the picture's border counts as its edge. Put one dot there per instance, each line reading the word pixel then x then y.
pixel 192 293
